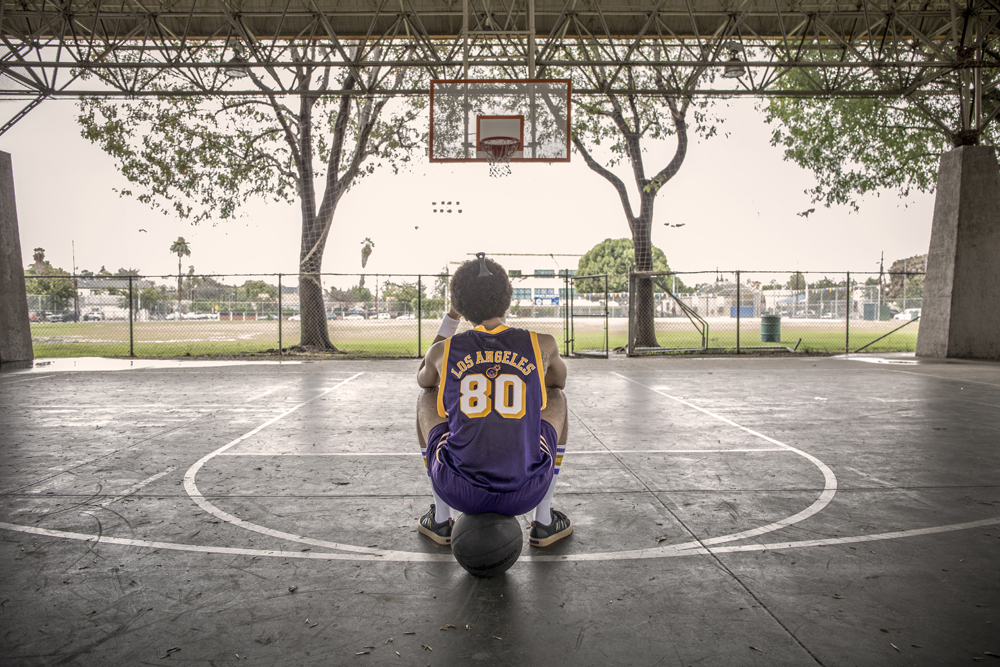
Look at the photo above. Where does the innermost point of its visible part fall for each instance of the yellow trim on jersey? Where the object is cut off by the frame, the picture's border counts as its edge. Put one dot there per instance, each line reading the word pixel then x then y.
pixel 443 377
pixel 500 327
pixel 540 366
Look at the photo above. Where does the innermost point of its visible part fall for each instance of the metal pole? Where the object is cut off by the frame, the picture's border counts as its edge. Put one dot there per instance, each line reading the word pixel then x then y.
pixel 739 307
pixel 420 293
pixel 607 353
pixel 566 311
pixel 131 326
pixel 279 315
pixel 847 322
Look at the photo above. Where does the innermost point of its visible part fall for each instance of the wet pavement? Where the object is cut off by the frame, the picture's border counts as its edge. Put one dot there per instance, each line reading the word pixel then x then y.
pixel 728 511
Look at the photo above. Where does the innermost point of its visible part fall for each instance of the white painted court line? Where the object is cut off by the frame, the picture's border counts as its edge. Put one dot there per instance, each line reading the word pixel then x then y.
pixel 374 554
pixel 192 488
pixel 410 557
pixel 942 377
pixel 829 479
pixel 135 487
pixel 571 453
pixel 38 377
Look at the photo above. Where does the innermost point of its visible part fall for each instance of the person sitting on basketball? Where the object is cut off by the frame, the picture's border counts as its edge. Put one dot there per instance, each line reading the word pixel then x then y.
pixel 492 419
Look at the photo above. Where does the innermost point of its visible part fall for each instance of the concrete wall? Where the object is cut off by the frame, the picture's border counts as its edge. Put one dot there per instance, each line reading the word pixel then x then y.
pixel 15 329
pixel 960 316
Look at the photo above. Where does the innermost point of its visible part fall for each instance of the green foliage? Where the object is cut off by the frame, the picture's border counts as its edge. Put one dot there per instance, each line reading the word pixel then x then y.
pixel 796 281
pixel 402 292
pixel 613 257
pixel 180 247
pixel 824 283
pixel 201 157
pixel 56 283
pixel 355 294
pixel 859 145
pixel 251 290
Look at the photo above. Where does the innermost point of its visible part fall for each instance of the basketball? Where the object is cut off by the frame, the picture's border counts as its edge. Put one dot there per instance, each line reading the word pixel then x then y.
pixel 486 544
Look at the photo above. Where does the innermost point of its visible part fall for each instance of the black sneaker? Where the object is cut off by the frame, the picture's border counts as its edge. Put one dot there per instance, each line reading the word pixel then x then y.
pixel 439 532
pixel 542 535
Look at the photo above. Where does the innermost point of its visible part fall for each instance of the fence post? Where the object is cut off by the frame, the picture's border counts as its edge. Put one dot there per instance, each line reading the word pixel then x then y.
pixel 739 307
pixel 131 317
pixel 847 321
pixel 279 315
pixel 630 345
pixel 607 352
pixel 566 306
pixel 420 293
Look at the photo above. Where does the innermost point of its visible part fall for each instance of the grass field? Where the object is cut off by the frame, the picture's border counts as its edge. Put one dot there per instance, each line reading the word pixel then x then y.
pixel 398 338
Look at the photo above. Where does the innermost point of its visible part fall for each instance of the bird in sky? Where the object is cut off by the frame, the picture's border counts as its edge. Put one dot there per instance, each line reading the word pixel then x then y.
pixel 806 213
pixel 142 230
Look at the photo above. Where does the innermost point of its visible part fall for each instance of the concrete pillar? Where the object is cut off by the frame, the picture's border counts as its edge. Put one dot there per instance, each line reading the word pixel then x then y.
pixel 960 314
pixel 15 329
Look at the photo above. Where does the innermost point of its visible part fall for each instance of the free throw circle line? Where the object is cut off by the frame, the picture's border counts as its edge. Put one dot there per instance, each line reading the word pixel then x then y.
pixel 191 487
pixel 408 556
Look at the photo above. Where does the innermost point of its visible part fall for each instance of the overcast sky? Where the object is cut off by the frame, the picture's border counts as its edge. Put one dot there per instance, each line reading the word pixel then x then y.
pixel 737 198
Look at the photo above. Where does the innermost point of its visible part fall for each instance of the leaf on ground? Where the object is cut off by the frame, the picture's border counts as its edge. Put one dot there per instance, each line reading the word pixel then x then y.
pixel 756 649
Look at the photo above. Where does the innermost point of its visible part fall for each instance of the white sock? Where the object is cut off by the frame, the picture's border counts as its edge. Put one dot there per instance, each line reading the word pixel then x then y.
pixel 543 513
pixel 441 510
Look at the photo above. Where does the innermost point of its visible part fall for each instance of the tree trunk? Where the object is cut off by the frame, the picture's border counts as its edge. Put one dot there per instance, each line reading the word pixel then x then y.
pixel 315 335
pixel 644 302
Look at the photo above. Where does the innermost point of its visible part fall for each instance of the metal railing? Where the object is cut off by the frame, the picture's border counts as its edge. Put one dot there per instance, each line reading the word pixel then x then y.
pixel 753 311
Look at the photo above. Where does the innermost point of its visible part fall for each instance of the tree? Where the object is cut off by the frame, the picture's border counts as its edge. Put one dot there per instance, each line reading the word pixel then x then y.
pixel 629 124
pixel 614 257
pixel 181 248
pixel 44 279
pixel 796 281
pixel 252 290
pixel 823 283
pixel 402 292
pixel 858 145
pixel 201 157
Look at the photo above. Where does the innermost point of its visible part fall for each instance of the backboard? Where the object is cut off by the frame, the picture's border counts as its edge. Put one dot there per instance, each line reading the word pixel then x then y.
pixel 536 112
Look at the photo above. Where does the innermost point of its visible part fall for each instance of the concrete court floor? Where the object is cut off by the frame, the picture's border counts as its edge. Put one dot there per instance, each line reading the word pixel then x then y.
pixel 728 511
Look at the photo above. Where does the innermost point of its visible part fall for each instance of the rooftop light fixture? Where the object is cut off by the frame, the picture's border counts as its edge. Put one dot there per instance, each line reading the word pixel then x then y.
pixel 238 67
pixel 734 68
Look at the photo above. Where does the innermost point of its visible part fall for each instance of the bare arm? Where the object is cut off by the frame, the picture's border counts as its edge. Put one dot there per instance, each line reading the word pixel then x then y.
pixel 555 367
pixel 428 374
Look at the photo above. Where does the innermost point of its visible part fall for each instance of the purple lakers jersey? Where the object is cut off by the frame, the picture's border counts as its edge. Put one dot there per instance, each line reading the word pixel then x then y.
pixel 492 391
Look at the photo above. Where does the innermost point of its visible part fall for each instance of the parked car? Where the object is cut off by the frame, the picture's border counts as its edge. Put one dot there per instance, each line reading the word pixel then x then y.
pixel 908 314
pixel 295 318
pixel 354 316
pixel 96 316
pixel 69 316
pixel 332 316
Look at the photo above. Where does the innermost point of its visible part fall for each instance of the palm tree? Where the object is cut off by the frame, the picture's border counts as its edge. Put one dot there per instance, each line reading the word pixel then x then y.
pixel 180 247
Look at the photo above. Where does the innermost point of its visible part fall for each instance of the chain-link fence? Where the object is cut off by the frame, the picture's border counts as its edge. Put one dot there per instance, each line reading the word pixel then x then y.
pixel 753 311
pixel 372 315
pixel 397 315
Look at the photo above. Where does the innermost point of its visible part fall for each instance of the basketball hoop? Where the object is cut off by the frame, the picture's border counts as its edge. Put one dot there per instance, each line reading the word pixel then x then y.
pixel 498 151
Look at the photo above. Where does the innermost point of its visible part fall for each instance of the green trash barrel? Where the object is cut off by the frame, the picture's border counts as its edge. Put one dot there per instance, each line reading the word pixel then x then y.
pixel 770 329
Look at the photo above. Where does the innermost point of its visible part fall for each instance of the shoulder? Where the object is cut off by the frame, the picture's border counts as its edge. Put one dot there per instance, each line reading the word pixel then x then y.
pixel 547 342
